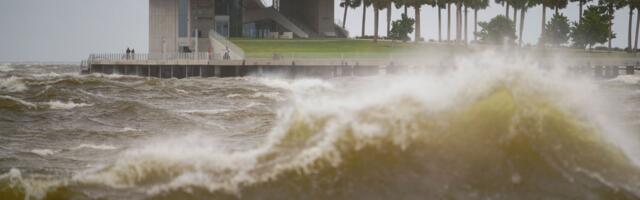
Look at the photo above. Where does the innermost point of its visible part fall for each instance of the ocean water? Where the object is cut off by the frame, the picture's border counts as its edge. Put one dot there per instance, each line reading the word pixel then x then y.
pixel 489 129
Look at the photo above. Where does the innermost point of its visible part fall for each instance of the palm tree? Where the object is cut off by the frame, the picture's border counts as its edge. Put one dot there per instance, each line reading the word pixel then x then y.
pixel 580 7
pixel 449 20
pixel 377 6
pixel 635 4
pixel 504 3
pixel 441 4
pixel 346 4
pixel 477 5
pixel 523 5
pixel 612 5
pixel 365 4
pixel 553 4
pixel 417 5
pixel 389 18
pixel 401 4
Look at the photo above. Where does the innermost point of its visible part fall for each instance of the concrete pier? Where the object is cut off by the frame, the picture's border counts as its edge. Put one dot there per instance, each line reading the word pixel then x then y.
pixel 324 68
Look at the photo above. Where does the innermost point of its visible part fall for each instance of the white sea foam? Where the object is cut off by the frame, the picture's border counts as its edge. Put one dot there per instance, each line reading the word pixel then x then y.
pixel 44 152
pixel 6 68
pixel 95 146
pixel 12 84
pixel 627 79
pixel 23 102
pixel 59 105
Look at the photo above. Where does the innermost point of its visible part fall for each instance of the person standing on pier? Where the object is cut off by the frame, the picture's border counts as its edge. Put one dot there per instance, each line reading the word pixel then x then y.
pixel 133 54
pixel 128 53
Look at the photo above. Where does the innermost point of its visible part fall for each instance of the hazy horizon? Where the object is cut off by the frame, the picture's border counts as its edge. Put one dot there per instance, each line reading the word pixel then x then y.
pixel 70 30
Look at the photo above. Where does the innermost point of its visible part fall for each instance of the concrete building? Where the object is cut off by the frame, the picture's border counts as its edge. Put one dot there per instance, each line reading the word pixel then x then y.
pixel 177 26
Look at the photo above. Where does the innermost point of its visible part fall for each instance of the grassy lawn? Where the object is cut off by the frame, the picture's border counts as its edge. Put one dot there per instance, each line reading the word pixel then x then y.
pixel 325 48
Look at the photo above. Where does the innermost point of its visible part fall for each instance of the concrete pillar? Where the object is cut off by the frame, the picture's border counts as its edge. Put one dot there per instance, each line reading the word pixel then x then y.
pixel 148 70
pixel 200 71
pixel 598 71
pixel 171 74
pixel 186 71
pixel 630 70
pixel 614 71
pixel 260 71
pixel 236 72
pixel 126 69
pixel 216 71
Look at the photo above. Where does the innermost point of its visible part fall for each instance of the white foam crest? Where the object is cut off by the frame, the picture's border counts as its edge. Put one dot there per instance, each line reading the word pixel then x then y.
pixel 627 79
pixel 297 85
pixel 12 84
pixel 44 152
pixel 5 68
pixel 59 105
pixel 95 146
pixel 33 189
pixel 23 102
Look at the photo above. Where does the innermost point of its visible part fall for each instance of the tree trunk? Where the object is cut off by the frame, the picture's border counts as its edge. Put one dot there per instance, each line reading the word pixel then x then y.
pixel 522 14
pixel 637 29
pixel 405 10
pixel 344 18
pixel 448 22
pixel 515 16
pixel 506 5
pixel 580 12
pixel 466 40
pixel 459 22
pixel 439 24
pixel 475 24
pixel 376 22
pixel 389 20
pixel 417 32
pixel 610 25
pixel 364 17
pixel 544 21
pixel 630 27
pixel 557 10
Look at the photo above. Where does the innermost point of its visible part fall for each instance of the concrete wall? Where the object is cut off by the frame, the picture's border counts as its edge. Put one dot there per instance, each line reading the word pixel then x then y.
pixel 316 14
pixel 326 23
pixel 163 19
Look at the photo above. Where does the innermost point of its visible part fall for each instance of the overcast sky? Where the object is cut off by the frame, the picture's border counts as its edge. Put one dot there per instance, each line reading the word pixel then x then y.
pixel 69 30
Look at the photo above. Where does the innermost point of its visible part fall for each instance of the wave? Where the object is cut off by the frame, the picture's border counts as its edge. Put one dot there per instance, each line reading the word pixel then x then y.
pixel 59 105
pixel 12 84
pixel 483 131
pixel 43 152
pixel 5 68
pixel 95 146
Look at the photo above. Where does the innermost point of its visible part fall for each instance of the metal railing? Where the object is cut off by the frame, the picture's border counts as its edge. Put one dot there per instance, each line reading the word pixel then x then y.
pixel 153 56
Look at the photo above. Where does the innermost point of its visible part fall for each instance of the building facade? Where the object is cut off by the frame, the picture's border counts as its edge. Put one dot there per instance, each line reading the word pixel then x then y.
pixel 183 25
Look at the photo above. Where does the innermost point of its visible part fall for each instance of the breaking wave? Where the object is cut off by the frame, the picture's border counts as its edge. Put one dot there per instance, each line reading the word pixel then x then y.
pixel 483 131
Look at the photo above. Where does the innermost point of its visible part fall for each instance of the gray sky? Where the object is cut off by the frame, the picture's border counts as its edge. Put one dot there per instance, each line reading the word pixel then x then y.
pixel 69 30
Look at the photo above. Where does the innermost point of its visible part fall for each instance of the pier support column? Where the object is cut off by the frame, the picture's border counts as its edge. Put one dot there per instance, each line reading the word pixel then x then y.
pixel 614 71
pixel 236 72
pixel 630 70
pixel 216 71
pixel 148 70
pixel 260 71
pixel 186 71
pixel 598 71
pixel 200 71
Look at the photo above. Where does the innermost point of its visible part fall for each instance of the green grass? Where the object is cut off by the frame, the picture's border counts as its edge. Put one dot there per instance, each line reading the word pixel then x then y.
pixel 322 48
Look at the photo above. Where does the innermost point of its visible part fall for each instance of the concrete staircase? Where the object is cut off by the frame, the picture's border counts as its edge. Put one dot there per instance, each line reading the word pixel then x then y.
pixel 273 14
pixel 219 44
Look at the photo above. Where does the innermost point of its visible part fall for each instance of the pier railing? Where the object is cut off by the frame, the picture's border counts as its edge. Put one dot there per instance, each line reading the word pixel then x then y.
pixel 158 56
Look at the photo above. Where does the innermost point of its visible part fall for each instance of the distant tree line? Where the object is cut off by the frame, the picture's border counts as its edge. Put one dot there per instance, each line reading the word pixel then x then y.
pixel 594 25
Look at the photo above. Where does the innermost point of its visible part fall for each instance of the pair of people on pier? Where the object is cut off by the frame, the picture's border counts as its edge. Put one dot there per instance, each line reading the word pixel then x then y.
pixel 131 54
